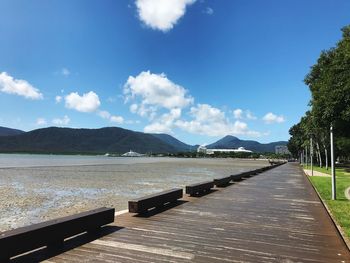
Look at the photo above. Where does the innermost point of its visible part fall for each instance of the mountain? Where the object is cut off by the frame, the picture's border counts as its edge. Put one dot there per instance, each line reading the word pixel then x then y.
pixel 9 132
pixel 231 142
pixel 67 140
pixel 177 144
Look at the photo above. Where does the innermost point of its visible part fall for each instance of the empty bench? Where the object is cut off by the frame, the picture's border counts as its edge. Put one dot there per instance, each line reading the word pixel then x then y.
pixel 222 182
pixel 143 204
pixel 199 188
pixel 247 174
pixel 52 233
pixel 236 177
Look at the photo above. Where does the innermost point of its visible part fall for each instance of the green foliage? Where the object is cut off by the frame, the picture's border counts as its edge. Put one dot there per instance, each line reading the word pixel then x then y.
pixel 329 83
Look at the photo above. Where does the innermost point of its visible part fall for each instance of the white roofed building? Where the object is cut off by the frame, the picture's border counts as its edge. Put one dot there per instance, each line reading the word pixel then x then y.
pixel 203 149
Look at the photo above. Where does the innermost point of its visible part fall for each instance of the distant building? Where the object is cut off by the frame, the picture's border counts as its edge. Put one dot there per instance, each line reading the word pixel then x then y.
pixel 132 154
pixel 282 149
pixel 203 149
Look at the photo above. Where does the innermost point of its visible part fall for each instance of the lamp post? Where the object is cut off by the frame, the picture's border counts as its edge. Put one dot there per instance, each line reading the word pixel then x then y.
pixel 334 194
pixel 311 156
pixel 306 161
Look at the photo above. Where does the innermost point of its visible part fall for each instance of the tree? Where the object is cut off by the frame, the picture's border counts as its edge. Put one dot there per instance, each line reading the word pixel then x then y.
pixel 329 83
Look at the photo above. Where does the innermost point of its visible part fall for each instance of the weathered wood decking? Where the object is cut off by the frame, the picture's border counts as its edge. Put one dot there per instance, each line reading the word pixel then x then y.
pixel 273 217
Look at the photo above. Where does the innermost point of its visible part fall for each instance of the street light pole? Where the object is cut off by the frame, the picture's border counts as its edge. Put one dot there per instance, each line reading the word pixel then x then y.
pixel 311 156
pixel 334 194
pixel 306 160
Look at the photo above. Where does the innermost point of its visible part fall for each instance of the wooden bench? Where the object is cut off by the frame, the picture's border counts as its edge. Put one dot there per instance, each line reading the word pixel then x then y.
pixel 199 188
pixel 257 171
pixel 247 174
pixel 236 177
pixel 52 233
pixel 143 204
pixel 221 182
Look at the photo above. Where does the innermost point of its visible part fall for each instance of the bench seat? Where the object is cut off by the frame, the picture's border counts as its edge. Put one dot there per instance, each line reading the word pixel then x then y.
pixel 143 204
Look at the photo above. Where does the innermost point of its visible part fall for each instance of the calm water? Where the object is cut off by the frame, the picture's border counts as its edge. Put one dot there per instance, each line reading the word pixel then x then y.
pixel 34 188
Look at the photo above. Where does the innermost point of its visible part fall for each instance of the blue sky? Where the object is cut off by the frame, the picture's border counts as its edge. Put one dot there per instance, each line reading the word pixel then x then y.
pixel 198 70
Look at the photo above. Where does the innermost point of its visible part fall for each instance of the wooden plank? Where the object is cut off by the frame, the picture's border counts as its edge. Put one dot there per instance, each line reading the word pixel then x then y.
pixel 199 188
pixel 270 218
pixel 53 232
pixel 143 204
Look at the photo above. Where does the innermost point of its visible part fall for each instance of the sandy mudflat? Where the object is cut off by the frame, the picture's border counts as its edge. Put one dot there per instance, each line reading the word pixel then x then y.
pixel 46 190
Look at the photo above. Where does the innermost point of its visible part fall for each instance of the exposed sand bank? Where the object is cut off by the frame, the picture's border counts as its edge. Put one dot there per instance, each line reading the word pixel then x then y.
pixel 35 194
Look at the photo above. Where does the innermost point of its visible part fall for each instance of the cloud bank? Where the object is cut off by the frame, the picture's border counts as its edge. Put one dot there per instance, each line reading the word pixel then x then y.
pixel 162 101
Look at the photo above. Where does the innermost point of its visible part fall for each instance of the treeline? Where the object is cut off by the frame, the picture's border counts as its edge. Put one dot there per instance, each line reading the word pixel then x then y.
pixel 267 155
pixel 329 83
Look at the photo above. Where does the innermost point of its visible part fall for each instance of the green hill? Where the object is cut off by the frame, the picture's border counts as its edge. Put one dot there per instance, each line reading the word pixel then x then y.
pixel 67 140
pixel 4 131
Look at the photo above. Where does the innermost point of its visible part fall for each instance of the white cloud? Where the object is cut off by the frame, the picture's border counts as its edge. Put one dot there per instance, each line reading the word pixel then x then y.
pixel 273 118
pixel 157 90
pixel 64 121
pixel 211 121
pixel 104 114
pixel 116 119
pixel 238 113
pixel 152 92
pixel 161 14
pixel 88 102
pixel 165 123
pixel 58 99
pixel 41 121
pixel 112 118
pixel 20 87
pixel 209 11
pixel 250 116
pixel 65 72
pixel 133 108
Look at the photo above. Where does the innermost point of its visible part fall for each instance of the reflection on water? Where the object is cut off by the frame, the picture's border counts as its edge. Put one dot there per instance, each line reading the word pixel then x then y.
pixel 34 188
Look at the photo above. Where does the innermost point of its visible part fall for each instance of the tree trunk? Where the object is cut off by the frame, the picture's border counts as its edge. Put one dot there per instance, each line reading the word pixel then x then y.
pixel 319 154
pixel 326 154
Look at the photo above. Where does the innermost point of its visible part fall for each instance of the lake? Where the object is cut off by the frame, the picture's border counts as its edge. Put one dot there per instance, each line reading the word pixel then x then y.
pixel 35 188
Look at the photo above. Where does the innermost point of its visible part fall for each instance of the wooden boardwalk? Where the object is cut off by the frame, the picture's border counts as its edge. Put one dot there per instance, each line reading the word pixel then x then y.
pixel 273 217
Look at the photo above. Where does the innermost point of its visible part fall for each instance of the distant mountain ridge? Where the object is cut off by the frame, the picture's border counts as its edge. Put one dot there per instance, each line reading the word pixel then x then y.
pixel 110 139
pixel 179 145
pixel 4 131
pixel 232 142
pixel 67 140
